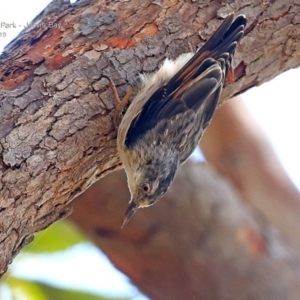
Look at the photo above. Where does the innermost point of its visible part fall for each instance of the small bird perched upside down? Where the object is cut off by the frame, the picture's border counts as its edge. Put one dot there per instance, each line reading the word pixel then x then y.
pixel 172 108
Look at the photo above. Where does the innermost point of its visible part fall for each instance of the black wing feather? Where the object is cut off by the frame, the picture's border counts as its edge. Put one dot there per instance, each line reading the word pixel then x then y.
pixel 210 107
pixel 195 85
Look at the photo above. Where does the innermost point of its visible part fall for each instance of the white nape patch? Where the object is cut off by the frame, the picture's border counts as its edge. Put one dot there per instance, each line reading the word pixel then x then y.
pixel 197 155
pixel 168 69
pixel 171 67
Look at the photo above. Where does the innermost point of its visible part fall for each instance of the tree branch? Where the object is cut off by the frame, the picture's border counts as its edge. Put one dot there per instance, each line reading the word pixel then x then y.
pixel 199 242
pixel 56 130
pixel 237 148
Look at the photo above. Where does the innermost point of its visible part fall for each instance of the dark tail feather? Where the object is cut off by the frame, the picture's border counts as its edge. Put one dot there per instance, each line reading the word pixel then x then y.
pixel 227 32
pixel 224 40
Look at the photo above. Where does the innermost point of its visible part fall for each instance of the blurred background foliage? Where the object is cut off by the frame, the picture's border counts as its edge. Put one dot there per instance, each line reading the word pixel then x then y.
pixel 57 240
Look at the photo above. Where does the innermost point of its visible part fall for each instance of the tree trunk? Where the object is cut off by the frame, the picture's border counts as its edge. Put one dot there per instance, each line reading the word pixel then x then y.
pixel 56 130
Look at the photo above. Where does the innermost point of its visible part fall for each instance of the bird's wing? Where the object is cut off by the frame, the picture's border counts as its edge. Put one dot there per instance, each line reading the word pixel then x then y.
pixel 198 83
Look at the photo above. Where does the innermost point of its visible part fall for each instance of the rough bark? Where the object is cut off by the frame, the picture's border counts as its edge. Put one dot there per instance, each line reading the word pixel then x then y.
pixel 199 242
pixel 56 131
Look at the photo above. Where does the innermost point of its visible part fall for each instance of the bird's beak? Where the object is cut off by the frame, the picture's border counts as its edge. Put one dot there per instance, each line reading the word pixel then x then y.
pixel 132 208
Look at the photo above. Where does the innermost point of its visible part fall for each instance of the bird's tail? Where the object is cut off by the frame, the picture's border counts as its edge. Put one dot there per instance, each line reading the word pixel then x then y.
pixel 220 47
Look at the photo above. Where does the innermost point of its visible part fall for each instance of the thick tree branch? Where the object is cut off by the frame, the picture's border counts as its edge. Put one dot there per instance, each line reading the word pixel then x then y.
pixel 56 131
pixel 198 242
pixel 238 149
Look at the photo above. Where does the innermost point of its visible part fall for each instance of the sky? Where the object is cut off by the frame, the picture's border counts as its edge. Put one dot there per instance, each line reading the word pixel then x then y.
pixel 94 271
pixel 275 106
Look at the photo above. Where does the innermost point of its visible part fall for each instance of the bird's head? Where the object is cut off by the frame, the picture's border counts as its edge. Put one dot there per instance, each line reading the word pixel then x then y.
pixel 150 172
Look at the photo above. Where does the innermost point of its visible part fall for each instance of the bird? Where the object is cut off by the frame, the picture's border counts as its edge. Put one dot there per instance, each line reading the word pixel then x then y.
pixel 169 113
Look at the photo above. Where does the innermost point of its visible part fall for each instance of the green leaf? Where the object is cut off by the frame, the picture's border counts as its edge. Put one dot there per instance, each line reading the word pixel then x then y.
pixel 33 290
pixel 58 237
pixel 65 294
pixel 23 289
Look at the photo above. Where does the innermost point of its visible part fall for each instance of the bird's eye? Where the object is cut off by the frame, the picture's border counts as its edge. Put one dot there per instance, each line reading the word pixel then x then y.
pixel 146 188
